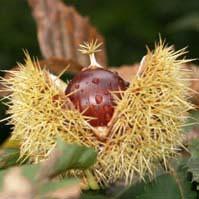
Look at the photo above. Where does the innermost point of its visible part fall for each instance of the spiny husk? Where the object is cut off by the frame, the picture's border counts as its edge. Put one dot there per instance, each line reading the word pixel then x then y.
pixel 145 130
pixel 36 111
pixel 150 116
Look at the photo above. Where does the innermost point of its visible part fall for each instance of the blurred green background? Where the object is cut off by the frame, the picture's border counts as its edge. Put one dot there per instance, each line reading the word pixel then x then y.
pixel 127 26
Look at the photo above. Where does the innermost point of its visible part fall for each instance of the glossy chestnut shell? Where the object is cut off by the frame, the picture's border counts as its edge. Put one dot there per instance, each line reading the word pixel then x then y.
pixel 90 92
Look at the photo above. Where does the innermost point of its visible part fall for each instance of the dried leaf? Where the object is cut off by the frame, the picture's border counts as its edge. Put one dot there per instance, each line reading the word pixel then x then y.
pixel 61 29
pixel 127 72
pixel 57 65
pixel 194 83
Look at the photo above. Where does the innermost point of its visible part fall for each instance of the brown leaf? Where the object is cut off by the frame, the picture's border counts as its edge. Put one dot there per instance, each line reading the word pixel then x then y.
pixel 61 29
pixel 194 83
pixel 57 65
pixel 127 72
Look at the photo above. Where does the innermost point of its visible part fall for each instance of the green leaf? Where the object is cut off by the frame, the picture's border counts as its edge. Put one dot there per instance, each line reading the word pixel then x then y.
pixel 52 186
pixel 68 156
pixel 163 187
pixel 28 171
pixel 91 180
pixel 193 162
pixel 8 157
pixel 94 195
pixel 48 189
pixel 192 121
pixel 194 149
pixel 64 157
pixel 193 168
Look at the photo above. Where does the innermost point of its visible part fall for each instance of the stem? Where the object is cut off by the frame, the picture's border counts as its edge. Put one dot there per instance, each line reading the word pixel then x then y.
pixel 93 62
pixel 91 180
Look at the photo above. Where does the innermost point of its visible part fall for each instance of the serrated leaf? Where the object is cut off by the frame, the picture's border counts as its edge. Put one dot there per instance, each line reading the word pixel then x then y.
pixel 163 187
pixel 16 185
pixel 23 180
pixel 35 178
pixel 64 157
pixel 27 171
pixel 68 156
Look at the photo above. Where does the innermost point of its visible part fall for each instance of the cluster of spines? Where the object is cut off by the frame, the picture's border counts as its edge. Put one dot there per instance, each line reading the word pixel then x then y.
pixel 151 114
pixel 38 115
pixel 145 129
